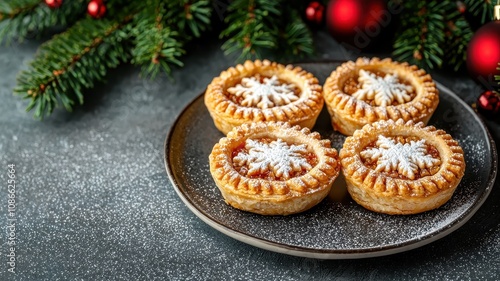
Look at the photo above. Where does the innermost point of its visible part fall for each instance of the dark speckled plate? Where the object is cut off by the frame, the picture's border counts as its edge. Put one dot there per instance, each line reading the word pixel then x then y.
pixel 337 228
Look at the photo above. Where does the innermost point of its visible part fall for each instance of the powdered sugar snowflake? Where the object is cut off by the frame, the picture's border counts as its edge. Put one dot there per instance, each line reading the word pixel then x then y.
pixel 268 94
pixel 405 158
pixel 384 90
pixel 276 156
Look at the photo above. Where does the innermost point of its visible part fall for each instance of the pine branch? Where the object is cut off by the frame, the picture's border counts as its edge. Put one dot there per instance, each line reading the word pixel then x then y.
pixel 458 36
pixel 421 38
pixel 252 28
pixel 483 7
pixel 72 61
pixel 11 9
pixel 156 46
pixel 191 17
pixel 21 19
pixel 296 40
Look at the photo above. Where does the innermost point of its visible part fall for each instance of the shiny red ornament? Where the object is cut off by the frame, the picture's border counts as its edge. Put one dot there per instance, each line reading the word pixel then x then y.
pixel 96 8
pixel 54 4
pixel 315 13
pixel 357 22
pixel 483 53
pixel 461 7
pixel 489 103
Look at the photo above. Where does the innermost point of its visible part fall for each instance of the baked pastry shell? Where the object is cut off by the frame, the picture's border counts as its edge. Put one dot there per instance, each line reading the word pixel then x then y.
pixel 274 197
pixel 349 114
pixel 228 114
pixel 379 192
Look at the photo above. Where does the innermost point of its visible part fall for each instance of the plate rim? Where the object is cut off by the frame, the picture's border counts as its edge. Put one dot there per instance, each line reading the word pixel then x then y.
pixel 340 253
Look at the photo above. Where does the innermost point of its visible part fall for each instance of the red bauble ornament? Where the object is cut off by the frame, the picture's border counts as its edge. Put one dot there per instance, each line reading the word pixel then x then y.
pixel 483 52
pixel 54 4
pixel 489 103
pixel 96 8
pixel 461 7
pixel 315 13
pixel 357 22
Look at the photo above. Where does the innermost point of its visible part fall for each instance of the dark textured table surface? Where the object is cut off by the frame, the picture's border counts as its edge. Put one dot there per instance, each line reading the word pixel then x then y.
pixel 94 201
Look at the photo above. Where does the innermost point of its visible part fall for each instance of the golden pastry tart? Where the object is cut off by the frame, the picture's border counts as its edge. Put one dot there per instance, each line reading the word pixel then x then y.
pixel 263 91
pixel 401 167
pixel 273 168
pixel 369 90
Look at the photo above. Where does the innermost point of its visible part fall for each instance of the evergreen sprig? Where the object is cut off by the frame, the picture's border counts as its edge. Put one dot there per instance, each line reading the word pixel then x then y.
pixel 20 19
pixel 481 7
pixel 156 45
pixel 458 36
pixel 70 62
pixel 296 41
pixel 191 17
pixel 157 30
pixel 422 37
pixel 252 28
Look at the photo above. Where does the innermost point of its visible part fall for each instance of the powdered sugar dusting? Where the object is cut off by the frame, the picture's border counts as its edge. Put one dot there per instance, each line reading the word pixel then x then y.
pixel 405 158
pixel 276 156
pixel 264 95
pixel 383 90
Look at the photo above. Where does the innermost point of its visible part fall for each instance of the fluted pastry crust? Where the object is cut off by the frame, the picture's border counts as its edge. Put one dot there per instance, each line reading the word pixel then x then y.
pixel 274 197
pixel 228 114
pixel 379 192
pixel 349 113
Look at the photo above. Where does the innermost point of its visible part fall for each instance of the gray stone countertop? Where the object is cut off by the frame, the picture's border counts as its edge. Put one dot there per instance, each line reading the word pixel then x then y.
pixel 94 201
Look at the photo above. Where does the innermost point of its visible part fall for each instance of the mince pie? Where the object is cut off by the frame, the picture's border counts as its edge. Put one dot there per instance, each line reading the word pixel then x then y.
pixel 263 91
pixel 273 168
pixel 369 90
pixel 401 167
